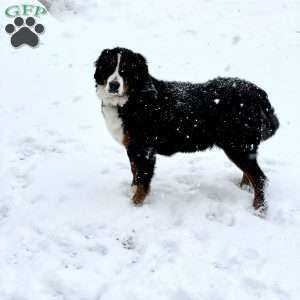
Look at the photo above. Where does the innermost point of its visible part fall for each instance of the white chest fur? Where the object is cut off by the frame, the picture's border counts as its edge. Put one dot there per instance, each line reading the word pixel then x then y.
pixel 113 122
pixel 110 104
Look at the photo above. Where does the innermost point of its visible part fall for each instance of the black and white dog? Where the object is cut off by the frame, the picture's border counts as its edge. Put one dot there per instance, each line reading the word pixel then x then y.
pixel 150 116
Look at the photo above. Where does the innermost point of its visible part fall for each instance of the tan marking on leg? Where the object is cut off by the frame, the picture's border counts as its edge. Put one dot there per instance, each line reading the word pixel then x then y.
pixel 258 202
pixel 133 171
pixel 245 181
pixel 255 176
pixel 140 194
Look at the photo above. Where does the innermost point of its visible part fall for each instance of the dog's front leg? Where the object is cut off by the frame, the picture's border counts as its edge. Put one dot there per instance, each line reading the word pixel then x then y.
pixel 142 161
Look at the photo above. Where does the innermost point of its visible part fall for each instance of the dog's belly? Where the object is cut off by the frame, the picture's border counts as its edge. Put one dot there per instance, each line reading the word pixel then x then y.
pixel 173 144
pixel 169 150
pixel 113 122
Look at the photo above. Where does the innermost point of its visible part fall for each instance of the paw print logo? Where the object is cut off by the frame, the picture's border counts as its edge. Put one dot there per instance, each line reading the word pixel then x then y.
pixel 24 33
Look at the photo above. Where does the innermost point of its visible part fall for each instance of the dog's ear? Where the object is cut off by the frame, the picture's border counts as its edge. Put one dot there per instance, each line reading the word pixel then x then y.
pixel 99 64
pixel 141 59
pixel 101 56
pixel 141 63
pixel 142 75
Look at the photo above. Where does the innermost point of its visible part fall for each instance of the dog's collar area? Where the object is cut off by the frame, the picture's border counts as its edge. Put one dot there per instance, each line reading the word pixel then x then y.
pixel 112 105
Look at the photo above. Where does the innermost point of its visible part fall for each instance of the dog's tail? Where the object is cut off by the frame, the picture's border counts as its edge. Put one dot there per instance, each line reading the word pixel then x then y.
pixel 270 122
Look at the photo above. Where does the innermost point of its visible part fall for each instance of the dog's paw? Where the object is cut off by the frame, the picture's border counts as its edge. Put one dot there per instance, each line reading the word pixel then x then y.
pixel 245 184
pixel 261 211
pixel 140 194
pixel 246 187
pixel 138 200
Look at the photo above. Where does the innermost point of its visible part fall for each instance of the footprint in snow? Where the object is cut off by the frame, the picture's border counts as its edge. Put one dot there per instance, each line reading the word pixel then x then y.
pixel 129 243
pixel 221 215
pixel 22 177
pixel 99 249
pixel 170 246
pixel 280 293
pixel 29 147
pixel 181 295
pixel 254 287
pixel 4 212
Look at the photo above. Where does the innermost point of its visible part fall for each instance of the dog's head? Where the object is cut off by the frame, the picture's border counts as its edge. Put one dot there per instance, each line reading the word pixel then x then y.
pixel 119 71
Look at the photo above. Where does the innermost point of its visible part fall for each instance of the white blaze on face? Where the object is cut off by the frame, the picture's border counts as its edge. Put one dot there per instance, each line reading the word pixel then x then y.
pixel 115 76
pixel 113 99
pixel 110 103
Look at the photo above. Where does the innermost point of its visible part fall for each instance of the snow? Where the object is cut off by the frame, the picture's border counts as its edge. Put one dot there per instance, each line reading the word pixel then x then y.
pixel 67 227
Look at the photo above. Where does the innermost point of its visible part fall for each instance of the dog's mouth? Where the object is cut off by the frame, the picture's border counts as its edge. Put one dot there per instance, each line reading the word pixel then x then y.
pixel 115 94
pixel 111 95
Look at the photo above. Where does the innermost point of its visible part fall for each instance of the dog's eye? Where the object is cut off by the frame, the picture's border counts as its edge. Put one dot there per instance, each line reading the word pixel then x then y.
pixel 122 72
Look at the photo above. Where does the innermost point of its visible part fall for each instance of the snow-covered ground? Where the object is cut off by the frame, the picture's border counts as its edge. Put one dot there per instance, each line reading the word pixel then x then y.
pixel 68 230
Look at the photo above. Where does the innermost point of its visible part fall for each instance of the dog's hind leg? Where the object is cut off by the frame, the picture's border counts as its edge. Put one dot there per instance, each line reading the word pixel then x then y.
pixel 247 162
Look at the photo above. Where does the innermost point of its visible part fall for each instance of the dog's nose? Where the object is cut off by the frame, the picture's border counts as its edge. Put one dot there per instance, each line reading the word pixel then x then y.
pixel 114 86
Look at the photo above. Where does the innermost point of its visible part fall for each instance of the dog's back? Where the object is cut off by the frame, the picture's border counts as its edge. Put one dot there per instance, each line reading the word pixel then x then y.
pixel 223 112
